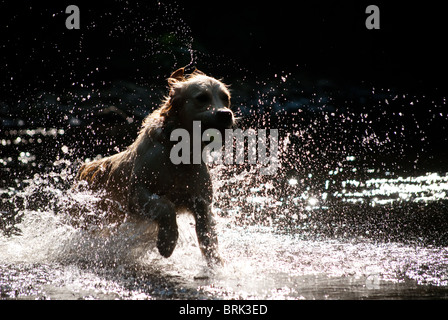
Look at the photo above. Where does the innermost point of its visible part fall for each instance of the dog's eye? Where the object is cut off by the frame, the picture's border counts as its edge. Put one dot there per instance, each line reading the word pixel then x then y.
pixel 203 98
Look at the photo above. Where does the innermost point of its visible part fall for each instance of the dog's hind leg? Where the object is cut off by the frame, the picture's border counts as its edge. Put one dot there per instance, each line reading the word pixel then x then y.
pixel 163 212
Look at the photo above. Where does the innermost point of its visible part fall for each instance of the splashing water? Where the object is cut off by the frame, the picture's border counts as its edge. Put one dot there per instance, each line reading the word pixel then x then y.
pixel 353 211
pixel 279 237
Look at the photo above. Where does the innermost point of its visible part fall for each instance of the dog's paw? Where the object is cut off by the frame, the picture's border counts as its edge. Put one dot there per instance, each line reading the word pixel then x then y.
pixel 166 241
pixel 215 261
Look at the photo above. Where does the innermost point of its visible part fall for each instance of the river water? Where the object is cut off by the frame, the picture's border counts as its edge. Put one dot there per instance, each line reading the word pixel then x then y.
pixel 345 227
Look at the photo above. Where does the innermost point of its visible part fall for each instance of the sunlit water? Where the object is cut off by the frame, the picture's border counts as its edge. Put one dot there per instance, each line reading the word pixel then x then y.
pixel 280 239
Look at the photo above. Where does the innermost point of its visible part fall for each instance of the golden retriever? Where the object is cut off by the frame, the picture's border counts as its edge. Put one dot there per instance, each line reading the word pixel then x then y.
pixel 146 183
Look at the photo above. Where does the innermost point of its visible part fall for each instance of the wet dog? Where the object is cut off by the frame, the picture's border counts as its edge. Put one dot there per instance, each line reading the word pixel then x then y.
pixel 146 183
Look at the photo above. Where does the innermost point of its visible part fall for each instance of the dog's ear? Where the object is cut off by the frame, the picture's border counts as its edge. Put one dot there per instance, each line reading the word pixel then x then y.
pixel 197 72
pixel 172 105
pixel 176 76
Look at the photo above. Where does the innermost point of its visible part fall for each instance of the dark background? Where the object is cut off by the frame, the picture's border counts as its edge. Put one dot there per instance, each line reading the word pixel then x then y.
pixel 144 41
pixel 330 39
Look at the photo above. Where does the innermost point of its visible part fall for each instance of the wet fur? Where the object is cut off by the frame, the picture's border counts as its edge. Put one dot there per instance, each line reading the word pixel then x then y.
pixel 144 180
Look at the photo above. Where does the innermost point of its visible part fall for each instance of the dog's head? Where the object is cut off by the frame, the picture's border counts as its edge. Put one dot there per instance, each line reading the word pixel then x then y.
pixel 198 97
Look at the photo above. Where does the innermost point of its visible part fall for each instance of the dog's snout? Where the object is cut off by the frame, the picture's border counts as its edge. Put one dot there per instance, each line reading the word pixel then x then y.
pixel 225 117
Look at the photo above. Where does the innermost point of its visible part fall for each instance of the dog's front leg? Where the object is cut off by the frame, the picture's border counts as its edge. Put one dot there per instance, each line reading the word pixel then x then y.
pixel 206 233
pixel 163 212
